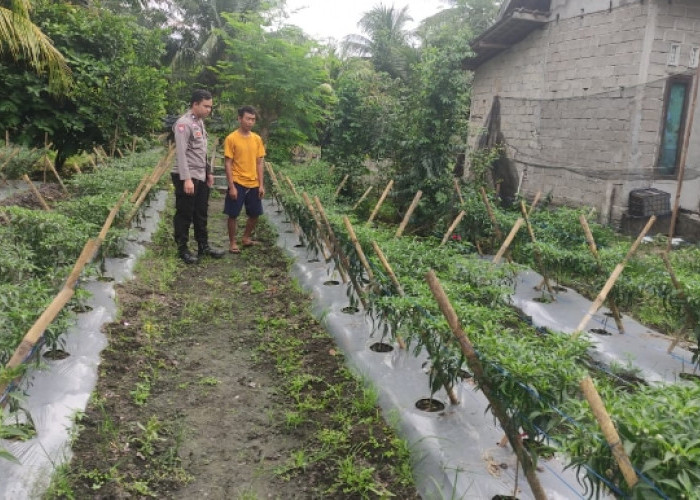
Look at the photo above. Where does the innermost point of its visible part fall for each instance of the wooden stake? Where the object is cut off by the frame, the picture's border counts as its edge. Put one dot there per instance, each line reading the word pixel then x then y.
pixel 452 227
pixel 358 247
pixel 496 405
pixel 496 227
pixel 291 185
pixel 36 192
pixel 381 200
pixel 609 431
pixel 12 154
pixel 341 260
pixel 506 243
pixel 342 184
pixel 7 138
pixel 394 280
pixel 689 314
pixel 51 166
pixel 272 174
pixel 137 191
pixel 409 212
pixel 538 256
pixel 110 218
pixel 158 172
pixel 534 203
pixel 612 279
pixel 86 255
pixel 458 189
pixel 594 250
pixel 362 198
pixel 36 331
pixel 321 232
pixel 133 144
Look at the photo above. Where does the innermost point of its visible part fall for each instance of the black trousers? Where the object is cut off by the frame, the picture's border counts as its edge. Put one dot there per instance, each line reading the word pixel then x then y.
pixel 190 208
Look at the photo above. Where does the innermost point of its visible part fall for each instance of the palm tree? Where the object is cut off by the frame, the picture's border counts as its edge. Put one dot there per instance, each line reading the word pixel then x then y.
pixel 23 42
pixel 386 41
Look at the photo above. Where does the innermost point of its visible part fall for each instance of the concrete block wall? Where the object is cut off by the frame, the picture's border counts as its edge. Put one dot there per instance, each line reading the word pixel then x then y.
pixel 582 99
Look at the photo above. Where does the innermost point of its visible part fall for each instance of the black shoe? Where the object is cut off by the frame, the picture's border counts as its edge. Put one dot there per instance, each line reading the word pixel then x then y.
pixel 207 251
pixel 188 258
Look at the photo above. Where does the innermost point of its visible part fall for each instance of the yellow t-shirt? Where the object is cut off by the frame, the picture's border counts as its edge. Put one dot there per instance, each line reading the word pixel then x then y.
pixel 244 151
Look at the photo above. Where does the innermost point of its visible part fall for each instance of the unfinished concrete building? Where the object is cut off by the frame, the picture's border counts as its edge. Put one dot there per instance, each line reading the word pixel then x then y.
pixel 590 99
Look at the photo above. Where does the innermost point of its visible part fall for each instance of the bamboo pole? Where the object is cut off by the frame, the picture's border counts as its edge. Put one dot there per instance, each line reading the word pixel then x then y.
pixel 358 247
pixel 689 314
pixel 342 184
pixel 394 280
pixel 272 174
pixel 342 263
pixel 110 218
pixel 612 279
pixel 535 201
pixel 12 154
pixel 7 137
pixel 321 232
pixel 51 166
pixel 452 227
pixel 36 331
pixel 362 198
pixel 152 181
pixel 133 144
pixel 458 189
pixel 291 184
pixel 609 431
pixel 509 239
pixel 85 256
pixel 381 200
pixel 496 227
pixel 138 189
pixel 537 254
pixel 683 159
pixel 496 405
pixel 119 151
pixel 594 250
pixel 409 212
pixel 36 192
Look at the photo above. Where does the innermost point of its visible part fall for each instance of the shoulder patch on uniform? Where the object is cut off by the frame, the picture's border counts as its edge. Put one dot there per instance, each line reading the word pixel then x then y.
pixel 181 127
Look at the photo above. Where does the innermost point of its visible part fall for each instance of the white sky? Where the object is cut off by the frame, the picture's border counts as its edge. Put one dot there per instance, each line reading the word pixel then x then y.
pixel 323 19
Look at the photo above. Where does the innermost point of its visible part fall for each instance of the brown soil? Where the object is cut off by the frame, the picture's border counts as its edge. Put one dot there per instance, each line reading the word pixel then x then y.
pixel 27 199
pixel 218 383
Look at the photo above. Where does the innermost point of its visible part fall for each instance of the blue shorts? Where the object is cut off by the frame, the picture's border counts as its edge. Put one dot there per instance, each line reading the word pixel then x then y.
pixel 250 197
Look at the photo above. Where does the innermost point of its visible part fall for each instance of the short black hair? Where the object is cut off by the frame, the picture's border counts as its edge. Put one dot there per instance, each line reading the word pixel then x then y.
pixel 199 95
pixel 246 109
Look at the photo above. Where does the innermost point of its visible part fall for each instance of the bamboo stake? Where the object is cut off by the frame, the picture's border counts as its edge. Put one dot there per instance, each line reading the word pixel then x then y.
pixel 51 166
pixel 362 198
pixel 538 256
pixel 496 227
pixel 509 239
pixel 609 431
pixel 594 250
pixel 36 192
pixel 7 137
pixel 452 227
pixel 85 256
pixel 612 279
pixel 342 184
pixel 12 154
pixel 534 203
pixel 358 247
pixel 409 212
pixel 321 233
pixel 496 405
pixel 458 189
pixel 684 156
pixel 92 161
pixel 689 315
pixel 381 200
pixel 291 185
pixel 152 181
pixel 119 151
pixel 137 191
pixel 335 247
pixel 133 144
pixel 36 331
pixel 110 218
pixel 272 174
pixel 394 280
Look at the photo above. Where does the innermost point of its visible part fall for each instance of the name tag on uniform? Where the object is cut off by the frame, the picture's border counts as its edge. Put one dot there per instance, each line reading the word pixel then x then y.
pixel 198 134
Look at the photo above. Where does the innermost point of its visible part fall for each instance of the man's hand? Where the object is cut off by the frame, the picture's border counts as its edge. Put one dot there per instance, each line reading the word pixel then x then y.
pixel 210 180
pixel 188 186
pixel 233 192
pixel 261 191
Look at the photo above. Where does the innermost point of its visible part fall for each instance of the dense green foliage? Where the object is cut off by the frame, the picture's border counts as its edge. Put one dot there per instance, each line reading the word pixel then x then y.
pixel 535 372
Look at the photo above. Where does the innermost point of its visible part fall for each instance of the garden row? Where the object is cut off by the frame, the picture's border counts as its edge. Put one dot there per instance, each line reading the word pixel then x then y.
pixel 534 373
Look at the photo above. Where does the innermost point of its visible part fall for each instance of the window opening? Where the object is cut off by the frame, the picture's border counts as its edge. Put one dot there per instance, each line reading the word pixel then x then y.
pixel 676 104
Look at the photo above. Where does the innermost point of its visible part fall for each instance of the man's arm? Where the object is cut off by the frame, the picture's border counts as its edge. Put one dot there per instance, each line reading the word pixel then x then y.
pixel 261 178
pixel 228 167
pixel 182 137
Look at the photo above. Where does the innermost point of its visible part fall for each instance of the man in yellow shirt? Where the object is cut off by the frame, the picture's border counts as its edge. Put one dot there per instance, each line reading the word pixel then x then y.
pixel 244 153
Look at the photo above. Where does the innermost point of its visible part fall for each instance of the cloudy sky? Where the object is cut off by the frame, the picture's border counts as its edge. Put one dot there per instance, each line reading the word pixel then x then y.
pixel 323 19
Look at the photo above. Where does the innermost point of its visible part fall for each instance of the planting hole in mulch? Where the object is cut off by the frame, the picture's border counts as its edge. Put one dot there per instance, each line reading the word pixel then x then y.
pixel 120 255
pixel 286 221
pixel 504 497
pixel 430 405
pixel 331 282
pixel 381 347
pixel 690 376
pixel 559 289
pixel 289 231
pixel 81 308
pixel 600 331
pixel 609 314
pixel 350 310
pixel 56 354
pixel 544 299
pixel 105 278
pixel 313 261
pixel 299 245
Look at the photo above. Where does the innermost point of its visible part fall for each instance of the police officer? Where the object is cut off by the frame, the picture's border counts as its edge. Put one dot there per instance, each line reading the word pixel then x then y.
pixel 192 178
